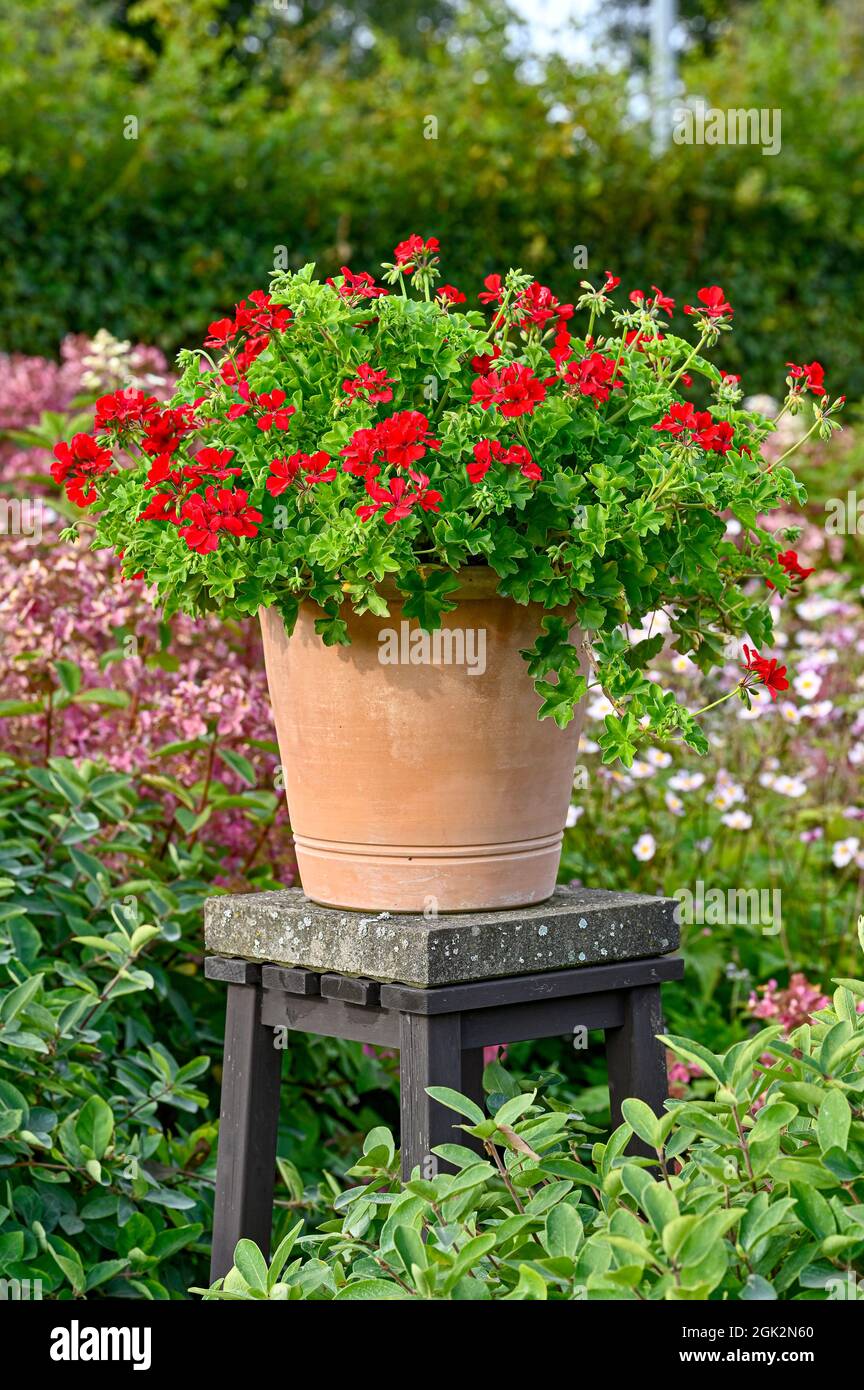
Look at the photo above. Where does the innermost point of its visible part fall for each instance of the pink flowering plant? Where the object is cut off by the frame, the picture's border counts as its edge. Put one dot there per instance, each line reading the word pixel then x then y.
pixel 329 435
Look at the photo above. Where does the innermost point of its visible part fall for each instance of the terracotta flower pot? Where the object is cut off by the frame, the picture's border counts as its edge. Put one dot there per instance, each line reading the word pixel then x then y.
pixel 419 778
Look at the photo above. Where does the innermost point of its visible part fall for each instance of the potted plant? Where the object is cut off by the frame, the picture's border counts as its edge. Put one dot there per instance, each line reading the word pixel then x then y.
pixel 453 523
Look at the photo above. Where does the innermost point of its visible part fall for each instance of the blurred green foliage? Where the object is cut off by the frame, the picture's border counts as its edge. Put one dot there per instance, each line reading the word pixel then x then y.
pixel 256 132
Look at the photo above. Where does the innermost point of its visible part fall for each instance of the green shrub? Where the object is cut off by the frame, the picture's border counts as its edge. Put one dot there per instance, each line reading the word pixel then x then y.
pixel 108 1101
pixel 755 1193
pixel 237 156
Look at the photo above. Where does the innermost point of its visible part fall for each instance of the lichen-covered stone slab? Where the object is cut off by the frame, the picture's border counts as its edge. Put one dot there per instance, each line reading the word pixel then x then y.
pixel 577 926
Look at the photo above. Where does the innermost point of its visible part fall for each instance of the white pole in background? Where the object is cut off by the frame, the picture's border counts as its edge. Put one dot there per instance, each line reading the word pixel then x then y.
pixel 662 72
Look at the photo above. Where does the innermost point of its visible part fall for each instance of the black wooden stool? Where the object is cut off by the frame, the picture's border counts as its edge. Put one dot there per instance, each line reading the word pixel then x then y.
pixel 440 1033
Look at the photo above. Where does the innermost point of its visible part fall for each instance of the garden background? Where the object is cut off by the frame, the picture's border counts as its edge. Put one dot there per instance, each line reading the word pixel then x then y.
pixel 157 159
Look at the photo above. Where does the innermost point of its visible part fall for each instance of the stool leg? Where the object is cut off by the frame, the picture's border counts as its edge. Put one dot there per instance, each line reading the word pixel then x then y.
pixel 248 1122
pixel 636 1060
pixel 472 1077
pixel 430 1054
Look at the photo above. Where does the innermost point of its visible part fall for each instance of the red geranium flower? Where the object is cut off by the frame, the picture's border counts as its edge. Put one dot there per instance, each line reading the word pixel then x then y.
pixel 538 305
pixel 593 376
pixel 220 333
pixel 486 452
pixel 660 300
pixel 210 463
pixel 77 464
pixel 283 472
pixel 427 497
pixel 612 282
pixel 123 409
pixel 395 497
pixel 489 451
pixel 811 376
pixel 271 411
pixel 765 671
pixel 714 436
pixel 483 360
pixel 360 451
pixel 162 507
pixel 450 294
pixel 202 518
pixel 514 389
pixel 165 430
pixel 375 385
pixel 494 291
pixel 359 286
pixel 789 562
pixel 259 312
pixel 712 302
pixel 414 248
pixel 404 437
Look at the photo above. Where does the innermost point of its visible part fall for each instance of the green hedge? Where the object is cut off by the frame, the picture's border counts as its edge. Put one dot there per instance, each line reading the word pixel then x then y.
pixel 239 154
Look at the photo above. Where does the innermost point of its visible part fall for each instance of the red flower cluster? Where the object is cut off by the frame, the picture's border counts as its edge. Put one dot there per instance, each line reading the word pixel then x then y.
pixel 359 286
pixel 284 472
pixel 712 302
pixel 397 497
pixel 255 320
pixel 208 463
pixel 514 389
pixel 791 565
pixel 124 409
pixel 401 439
pixel 165 431
pixel 593 376
pixel 413 249
pixel 715 436
pixel 811 377
pixel 374 385
pixel 765 671
pixel 253 316
pixel 537 305
pixel 77 464
pixel 448 294
pixel 660 300
pixel 202 518
pixel 272 413
pixel 489 451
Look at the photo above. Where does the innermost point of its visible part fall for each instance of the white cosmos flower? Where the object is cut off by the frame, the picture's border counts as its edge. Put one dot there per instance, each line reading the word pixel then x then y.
pixel 737 820
pixel 573 814
pixel 686 781
pixel 791 713
pixel 674 804
pixel 645 847
pixel 819 711
pixel 856 754
pixel 658 757
pixel 789 786
pixel 640 770
pixel 844 852
pixel 807 685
